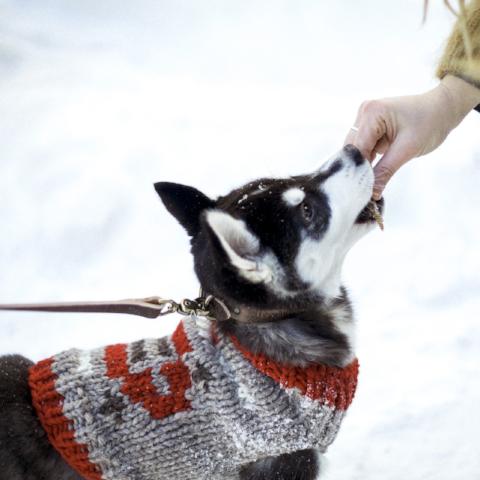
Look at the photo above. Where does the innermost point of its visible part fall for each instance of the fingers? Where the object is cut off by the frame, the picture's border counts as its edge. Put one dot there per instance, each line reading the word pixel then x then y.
pixel 396 156
pixel 376 135
pixel 383 174
pixel 371 123
pixel 382 146
pixel 367 138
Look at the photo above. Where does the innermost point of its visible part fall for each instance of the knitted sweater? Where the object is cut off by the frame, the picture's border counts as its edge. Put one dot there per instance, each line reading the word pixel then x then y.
pixel 461 56
pixel 195 405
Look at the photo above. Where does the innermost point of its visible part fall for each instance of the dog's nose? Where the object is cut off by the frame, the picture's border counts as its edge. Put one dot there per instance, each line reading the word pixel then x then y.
pixel 354 154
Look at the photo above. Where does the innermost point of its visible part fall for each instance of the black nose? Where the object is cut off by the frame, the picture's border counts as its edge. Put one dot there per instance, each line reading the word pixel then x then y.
pixel 354 153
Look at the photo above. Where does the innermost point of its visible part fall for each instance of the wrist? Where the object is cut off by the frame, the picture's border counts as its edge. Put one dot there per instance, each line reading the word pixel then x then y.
pixel 460 96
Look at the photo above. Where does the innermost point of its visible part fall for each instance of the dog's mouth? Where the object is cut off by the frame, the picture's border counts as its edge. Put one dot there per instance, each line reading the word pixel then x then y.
pixel 373 212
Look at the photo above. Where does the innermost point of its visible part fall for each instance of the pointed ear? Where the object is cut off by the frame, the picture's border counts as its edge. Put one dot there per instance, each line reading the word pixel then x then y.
pixel 184 203
pixel 240 244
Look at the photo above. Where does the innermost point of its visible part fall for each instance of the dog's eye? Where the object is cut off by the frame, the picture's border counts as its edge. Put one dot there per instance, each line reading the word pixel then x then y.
pixel 307 211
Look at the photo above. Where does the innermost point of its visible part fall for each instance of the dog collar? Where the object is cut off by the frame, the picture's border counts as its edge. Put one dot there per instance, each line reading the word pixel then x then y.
pixel 221 311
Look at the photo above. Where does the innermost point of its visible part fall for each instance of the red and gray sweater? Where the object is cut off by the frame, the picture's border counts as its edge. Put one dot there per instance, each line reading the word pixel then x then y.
pixel 194 405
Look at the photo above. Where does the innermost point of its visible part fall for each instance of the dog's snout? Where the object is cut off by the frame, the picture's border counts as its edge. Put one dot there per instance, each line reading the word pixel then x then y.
pixel 354 154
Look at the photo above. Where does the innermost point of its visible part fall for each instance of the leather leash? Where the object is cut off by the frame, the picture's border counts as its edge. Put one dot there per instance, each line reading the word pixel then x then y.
pixel 150 307
pixel 153 307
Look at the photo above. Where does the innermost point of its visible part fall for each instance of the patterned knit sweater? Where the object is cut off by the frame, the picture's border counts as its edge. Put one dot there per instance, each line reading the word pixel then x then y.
pixel 195 405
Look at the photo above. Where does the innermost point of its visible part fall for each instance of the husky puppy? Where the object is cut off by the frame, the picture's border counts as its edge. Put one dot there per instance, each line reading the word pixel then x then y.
pixel 272 251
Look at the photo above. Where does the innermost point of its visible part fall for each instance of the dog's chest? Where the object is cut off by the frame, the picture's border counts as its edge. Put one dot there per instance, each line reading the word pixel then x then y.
pixel 186 406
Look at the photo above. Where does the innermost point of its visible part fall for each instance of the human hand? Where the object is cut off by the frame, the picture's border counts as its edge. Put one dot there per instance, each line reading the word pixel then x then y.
pixel 402 128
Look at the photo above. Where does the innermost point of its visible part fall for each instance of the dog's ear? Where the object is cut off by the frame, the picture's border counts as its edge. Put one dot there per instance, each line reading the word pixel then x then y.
pixel 184 203
pixel 241 246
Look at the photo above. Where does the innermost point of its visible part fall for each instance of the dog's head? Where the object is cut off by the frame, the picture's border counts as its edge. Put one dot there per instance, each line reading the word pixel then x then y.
pixel 277 241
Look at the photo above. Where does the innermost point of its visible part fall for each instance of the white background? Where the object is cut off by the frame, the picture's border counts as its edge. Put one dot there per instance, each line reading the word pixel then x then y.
pixel 101 98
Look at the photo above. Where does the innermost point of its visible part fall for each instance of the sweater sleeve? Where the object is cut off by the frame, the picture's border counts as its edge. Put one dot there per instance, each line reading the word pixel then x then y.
pixel 456 60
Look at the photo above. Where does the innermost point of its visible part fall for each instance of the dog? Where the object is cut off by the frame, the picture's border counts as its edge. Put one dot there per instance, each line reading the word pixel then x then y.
pixel 256 393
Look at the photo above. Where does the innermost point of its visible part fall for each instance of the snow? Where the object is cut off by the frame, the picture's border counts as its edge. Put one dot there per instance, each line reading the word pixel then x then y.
pixel 99 100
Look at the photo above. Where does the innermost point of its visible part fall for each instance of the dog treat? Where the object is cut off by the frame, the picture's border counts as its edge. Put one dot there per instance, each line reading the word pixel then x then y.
pixel 375 211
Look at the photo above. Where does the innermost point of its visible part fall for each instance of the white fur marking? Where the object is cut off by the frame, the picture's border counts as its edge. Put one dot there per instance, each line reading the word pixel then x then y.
pixel 293 196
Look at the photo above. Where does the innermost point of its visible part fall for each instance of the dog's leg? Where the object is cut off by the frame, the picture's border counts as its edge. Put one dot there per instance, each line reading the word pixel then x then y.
pixel 25 453
pixel 301 465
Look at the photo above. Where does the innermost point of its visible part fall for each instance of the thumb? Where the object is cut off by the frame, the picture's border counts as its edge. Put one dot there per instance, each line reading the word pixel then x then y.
pixel 394 158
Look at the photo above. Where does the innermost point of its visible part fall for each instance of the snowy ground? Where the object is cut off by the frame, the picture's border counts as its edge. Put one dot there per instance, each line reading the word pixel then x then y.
pixel 99 99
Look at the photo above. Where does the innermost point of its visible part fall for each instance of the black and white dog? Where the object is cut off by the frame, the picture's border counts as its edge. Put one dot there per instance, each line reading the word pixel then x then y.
pixel 273 245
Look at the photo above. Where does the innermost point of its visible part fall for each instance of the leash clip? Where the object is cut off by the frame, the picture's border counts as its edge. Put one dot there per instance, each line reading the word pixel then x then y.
pixel 187 307
pixel 197 307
